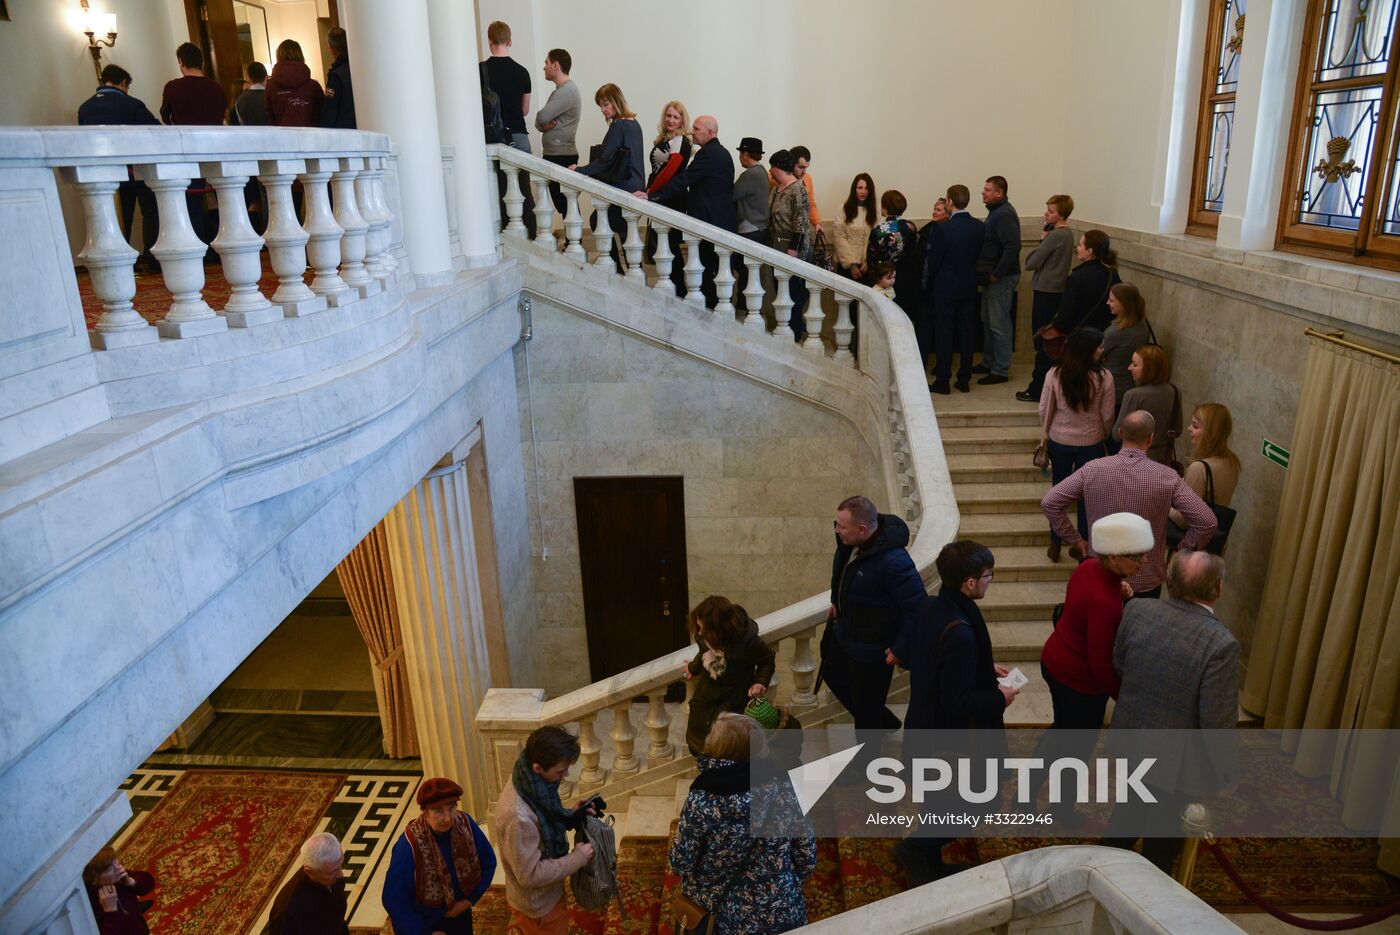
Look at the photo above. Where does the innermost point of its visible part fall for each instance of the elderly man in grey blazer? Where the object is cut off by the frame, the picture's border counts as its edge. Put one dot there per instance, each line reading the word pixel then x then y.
pixel 1179 667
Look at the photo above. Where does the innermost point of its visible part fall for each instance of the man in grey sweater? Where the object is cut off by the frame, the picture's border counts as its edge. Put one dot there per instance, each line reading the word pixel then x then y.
pixel 1050 263
pixel 751 208
pixel 557 121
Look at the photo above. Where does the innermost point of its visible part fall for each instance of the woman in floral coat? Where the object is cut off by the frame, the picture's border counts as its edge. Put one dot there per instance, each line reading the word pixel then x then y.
pixel 750 885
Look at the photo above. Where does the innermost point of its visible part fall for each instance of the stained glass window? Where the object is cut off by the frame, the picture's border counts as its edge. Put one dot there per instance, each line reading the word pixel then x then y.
pixel 1224 45
pixel 1343 192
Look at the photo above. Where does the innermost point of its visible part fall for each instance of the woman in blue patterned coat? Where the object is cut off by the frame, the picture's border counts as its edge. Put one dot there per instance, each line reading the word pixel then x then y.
pixel 750 885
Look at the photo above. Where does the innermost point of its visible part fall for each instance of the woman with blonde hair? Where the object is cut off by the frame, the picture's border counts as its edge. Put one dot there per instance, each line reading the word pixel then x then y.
pixel 670 152
pixel 1128 332
pixel 293 97
pixel 618 159
pixel 1214 469
pixel 1151 371
pixel 733 881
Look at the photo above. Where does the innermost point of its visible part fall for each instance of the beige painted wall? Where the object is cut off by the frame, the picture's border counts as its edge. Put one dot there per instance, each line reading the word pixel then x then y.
pixel 763 472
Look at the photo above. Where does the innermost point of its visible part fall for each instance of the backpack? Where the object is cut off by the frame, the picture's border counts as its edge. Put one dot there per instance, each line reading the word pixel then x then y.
pixel 491 119
pixel 595 883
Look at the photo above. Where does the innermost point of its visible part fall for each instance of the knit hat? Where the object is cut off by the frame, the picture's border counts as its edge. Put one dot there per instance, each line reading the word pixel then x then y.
pixel 436 791
pixel 762 711
pixel 1121 534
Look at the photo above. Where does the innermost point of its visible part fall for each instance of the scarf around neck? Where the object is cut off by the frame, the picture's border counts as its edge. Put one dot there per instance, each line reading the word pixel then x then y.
pixel 543 799
pixel 432 883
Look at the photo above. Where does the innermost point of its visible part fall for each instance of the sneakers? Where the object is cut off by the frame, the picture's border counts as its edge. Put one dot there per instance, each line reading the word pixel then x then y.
pixel 993 379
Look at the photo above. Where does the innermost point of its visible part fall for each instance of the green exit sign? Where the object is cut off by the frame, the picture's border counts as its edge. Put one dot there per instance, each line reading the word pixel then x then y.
pixel 1276 453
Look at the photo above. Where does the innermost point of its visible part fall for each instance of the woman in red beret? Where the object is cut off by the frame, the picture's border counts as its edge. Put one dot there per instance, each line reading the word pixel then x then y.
pixel 440 866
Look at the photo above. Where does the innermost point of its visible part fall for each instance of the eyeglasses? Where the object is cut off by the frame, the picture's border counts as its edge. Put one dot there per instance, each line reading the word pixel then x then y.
pixel 986 577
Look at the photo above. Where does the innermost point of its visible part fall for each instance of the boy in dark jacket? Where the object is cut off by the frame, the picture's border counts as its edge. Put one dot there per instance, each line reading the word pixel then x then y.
pixel 875 590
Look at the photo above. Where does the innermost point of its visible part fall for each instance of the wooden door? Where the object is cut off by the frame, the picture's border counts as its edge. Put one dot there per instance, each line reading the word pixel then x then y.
pixel 631 539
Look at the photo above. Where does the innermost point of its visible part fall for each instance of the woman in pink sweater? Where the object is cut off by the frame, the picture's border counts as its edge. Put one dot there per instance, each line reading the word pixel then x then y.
pixel 1076 414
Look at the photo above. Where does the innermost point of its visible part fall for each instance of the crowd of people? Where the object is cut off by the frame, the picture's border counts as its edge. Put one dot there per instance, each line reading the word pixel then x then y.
pixel 1110 417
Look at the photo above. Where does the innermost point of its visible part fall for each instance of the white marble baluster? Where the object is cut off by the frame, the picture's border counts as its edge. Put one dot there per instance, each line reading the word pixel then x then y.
pixel 323 249
pixel 753 294
pixel 387 263
pixel 602 234
pixel 239 246
pixel 624 738
pixel 180 252
pixel 663 258
pixel 658 724
pixel 694 270
pixel 590 753
pixel 352 222
pixel 633 247
pixel 724 283
pixel 844 328
pixel 544 213
pixel 814 315
pixel 804 669
pixel 286 240
pixel 375 217
pixel 573 228
pixel 109 258
pixel 782 303
pixel 515 202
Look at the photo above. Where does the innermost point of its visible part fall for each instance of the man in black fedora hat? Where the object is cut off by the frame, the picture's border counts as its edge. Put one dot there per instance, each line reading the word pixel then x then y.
pixel 750 208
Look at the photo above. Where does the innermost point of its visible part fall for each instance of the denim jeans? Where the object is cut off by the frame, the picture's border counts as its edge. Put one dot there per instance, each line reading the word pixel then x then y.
pixel 1064 461
pixel 996 318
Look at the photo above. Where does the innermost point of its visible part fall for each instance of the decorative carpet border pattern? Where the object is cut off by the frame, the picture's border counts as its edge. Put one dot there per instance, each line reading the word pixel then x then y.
pixel 363 812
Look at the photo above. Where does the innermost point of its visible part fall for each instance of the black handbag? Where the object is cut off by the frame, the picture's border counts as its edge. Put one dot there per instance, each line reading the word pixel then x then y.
pixel 1224 516
pixel 615 170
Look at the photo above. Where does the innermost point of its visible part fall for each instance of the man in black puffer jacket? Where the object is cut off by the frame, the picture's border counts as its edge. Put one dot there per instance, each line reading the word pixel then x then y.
pixel 875 590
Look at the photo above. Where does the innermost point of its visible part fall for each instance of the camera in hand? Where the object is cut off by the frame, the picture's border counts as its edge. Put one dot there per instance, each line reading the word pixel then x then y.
pixel 598 804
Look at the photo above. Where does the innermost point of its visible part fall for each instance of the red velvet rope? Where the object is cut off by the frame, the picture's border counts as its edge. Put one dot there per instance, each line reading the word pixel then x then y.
pixel 1316 925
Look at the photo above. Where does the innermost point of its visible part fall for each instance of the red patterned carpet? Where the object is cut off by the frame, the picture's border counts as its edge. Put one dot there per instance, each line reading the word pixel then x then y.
pixel 219 842
pixel 153 299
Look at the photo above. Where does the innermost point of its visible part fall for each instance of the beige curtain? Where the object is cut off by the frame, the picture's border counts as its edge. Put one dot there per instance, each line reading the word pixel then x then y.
pixel 1326 650
pixel 368 583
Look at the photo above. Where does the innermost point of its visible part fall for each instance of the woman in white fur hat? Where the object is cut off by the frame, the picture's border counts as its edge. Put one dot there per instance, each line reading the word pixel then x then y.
pixel 1077 661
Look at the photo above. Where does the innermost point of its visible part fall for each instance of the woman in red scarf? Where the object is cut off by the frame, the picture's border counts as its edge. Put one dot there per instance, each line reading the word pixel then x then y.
pixel 439 868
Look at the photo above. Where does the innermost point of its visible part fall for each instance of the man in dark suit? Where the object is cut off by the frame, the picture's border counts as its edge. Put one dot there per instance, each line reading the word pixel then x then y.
pixel 950 278
pixel 709 182
pixel 1179 667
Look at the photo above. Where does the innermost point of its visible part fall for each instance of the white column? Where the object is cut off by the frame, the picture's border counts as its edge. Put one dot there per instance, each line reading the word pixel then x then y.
pixel 663 259
pixel 286 239
pixel 436 586
pixel 544 213
pixel 367 197
pixel 694 270
pixel 753 294
pixel 782 303
pixel 573 228
pixel 239 247
pixel 109 258
pixel 180 252
pixel 451 23
pixel 1181 104
pixel 633 247
pixel 814 315
pixel 391 45
pixel 844 327
pixel 1258 168
pixel 724 282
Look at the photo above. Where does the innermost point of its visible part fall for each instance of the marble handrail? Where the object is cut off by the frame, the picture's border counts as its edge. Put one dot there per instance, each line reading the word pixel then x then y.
pixel 912 454
pixel 347 245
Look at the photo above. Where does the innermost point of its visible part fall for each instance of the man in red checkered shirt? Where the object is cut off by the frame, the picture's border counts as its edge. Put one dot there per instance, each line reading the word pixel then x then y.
pixel 1131 482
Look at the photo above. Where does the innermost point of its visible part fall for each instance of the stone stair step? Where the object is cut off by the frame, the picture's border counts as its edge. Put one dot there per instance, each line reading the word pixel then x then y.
pixel 995 467
pixel 1029 563
pixel 1017 497
pixel 1022 600
pixel 980 439
pixel 1019 641
pixel 1003 529
pixel 947 418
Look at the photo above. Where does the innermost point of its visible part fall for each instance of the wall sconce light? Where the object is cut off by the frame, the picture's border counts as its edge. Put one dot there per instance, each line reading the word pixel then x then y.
pixel 94 23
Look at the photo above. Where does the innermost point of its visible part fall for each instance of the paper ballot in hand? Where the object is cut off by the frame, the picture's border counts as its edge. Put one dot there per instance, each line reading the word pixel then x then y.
pixel 1014 679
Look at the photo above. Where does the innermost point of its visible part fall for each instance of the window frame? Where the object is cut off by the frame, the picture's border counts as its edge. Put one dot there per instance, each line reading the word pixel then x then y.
pixel 1200 221
pixel 1367 245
